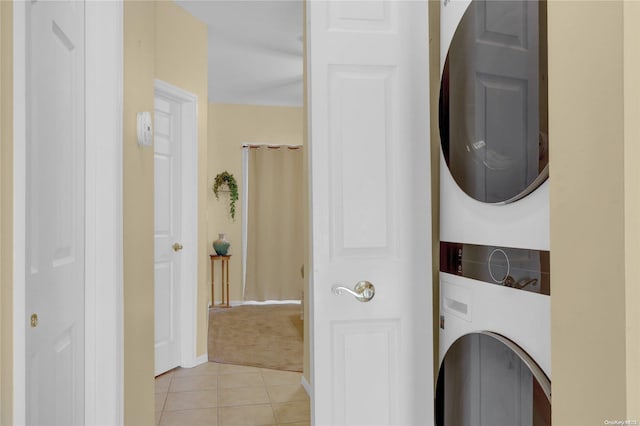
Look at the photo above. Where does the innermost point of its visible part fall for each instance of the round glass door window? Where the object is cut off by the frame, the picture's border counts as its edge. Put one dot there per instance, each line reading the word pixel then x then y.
pixel 486 380
pixel 493 101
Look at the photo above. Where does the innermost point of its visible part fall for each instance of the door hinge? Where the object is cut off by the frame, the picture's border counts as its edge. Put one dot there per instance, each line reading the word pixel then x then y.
pixel 442 322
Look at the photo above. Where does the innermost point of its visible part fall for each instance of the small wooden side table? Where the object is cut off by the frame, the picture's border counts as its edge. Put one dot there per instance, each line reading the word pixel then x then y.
pixel 224 278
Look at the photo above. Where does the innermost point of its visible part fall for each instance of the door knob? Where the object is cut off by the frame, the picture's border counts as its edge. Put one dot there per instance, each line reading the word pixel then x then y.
pixel 177 247
pixel 34 320
pixel 363 291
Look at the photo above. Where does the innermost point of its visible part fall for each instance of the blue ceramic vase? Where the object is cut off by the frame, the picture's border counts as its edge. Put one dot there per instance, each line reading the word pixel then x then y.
pixel 221 245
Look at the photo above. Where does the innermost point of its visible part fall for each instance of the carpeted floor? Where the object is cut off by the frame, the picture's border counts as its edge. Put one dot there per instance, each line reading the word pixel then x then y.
pixel 266 336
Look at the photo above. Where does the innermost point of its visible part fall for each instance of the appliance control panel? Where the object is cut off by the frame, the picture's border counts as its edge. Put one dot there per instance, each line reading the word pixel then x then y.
pixel 520 269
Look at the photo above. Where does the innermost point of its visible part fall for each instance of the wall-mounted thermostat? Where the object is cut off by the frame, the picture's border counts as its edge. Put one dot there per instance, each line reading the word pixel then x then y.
pixel 145 135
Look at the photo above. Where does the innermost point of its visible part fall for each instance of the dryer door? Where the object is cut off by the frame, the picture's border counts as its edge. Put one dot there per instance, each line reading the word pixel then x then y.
pixel 487 380
pixel 493 100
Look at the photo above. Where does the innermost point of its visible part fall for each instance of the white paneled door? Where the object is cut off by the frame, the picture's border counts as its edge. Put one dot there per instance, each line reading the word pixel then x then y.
pixel 55 214
pixel 371 220
pixel 168 232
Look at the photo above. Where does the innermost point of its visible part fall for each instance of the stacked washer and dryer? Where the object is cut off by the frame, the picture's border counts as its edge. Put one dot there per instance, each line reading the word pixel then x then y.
pixel 495 357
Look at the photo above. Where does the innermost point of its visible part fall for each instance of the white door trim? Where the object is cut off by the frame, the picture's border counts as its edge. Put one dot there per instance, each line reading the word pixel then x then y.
pixel 245 215
pixel 104 359
pixel 189 182
pixel 19 210
pixel 103 245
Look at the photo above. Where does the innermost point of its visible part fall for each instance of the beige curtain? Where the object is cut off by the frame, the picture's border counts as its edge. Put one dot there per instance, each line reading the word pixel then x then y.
pixel 275 235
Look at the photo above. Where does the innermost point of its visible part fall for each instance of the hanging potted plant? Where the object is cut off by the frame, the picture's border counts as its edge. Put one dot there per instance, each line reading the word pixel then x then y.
pixel 226 178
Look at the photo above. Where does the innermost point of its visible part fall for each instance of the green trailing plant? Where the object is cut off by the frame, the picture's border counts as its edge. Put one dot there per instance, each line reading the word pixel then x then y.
pixel 226 178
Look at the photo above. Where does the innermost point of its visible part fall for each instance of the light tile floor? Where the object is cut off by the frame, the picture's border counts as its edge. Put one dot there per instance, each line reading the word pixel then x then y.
pixel 213 394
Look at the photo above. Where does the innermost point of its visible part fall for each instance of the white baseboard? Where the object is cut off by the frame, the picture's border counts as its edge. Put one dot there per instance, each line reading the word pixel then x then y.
pixel 195 362
pixel 306 386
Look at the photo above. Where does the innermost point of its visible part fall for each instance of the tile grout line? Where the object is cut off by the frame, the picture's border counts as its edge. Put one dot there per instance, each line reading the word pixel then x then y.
pixel 164 403
pixel 264 382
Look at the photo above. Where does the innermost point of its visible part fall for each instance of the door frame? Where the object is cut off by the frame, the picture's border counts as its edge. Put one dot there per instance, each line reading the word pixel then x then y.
pixel 104 358
pixel 189 218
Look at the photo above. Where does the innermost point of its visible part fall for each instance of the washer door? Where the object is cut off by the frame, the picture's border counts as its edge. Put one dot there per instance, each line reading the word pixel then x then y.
pixel 487 380
pixel 493 100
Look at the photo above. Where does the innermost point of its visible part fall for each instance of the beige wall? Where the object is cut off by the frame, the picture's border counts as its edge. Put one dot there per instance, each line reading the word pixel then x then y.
pixel 139 72
pixel 594 211
pixel 229 127
pixel 6 213
pixel 162 41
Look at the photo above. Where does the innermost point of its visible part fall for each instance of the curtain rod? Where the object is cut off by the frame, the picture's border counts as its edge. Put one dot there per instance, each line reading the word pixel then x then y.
pixel 246 145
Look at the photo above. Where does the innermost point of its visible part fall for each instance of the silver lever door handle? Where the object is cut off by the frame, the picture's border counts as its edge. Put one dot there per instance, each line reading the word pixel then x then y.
pixel 363 291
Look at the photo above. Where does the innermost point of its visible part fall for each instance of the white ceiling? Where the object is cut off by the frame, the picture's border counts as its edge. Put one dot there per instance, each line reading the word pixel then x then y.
pixel 255 50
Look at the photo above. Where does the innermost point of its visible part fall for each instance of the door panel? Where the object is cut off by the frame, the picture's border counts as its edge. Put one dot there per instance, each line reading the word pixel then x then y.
pixel 167 199
pixel 366 16
pixel 365 350
pixel 363 217
pixel 368 102
pixel 55 213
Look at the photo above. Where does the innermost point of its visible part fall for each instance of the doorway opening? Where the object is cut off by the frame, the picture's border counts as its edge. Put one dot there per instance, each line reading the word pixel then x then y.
pixel 250 104
pixel 255 97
